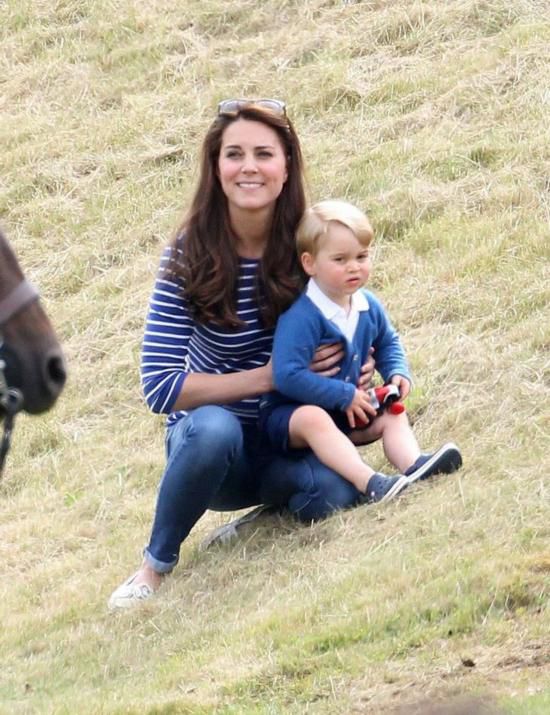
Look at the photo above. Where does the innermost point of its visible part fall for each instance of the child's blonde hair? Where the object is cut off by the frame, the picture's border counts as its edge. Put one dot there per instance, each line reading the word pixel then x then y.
pixel 316 220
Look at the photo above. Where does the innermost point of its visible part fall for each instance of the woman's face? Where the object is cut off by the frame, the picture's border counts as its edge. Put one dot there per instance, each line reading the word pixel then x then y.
pixel 251 167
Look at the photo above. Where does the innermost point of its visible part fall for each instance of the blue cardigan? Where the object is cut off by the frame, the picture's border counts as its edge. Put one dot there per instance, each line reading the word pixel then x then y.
pixel 303 328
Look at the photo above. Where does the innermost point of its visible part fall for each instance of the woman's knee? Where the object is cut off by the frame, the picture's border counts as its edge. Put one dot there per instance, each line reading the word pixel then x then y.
pixel 210 428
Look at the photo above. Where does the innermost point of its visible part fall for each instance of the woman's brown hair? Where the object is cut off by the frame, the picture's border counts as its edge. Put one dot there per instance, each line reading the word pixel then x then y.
pixel 205 257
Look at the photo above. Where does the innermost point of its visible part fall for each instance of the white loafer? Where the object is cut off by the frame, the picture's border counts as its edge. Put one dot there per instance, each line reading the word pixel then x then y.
pixel 130 594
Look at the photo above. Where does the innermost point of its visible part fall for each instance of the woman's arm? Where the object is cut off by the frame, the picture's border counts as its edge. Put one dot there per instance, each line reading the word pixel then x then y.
pixel 164 349
pixel 202 389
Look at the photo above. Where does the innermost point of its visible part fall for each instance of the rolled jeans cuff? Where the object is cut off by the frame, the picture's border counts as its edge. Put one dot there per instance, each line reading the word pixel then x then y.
pixel 158 566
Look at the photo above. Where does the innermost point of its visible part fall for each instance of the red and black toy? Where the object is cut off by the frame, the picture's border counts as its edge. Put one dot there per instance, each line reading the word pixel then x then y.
pixel 384 398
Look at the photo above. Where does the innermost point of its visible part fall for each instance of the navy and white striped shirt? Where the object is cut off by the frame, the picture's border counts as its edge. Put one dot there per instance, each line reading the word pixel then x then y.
pixel 174 345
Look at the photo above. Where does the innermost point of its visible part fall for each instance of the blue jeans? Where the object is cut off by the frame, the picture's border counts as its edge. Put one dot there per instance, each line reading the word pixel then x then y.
pixel 215 462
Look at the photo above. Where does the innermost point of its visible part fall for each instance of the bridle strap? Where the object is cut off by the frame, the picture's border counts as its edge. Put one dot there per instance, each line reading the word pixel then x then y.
pixel 23 294
pixel 11 399
pixel 11 403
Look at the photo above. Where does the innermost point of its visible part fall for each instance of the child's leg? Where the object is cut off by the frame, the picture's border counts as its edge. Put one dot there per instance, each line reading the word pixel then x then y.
pixel 402 450
pixel 312 427
pixel 400 445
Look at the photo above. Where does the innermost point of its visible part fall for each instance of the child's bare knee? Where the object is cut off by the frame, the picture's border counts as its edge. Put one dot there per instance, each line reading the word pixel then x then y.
pixel 312 416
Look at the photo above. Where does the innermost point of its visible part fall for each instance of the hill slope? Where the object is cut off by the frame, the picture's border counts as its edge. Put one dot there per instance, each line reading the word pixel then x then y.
pixel 433 116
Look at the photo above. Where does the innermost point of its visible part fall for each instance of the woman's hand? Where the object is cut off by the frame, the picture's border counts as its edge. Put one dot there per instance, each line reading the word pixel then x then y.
pixel 361 410
pixel 367 372
pixel 326 359
pixel 403 384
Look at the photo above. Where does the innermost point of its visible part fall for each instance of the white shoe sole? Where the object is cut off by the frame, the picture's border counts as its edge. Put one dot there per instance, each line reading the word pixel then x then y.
pixel 400 485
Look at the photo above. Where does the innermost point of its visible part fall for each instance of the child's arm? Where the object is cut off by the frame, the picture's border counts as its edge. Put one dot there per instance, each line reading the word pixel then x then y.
pixel 391 361
pixel 297 336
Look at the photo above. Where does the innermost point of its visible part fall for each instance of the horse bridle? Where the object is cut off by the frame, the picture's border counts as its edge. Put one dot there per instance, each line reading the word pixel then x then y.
pixel 11 398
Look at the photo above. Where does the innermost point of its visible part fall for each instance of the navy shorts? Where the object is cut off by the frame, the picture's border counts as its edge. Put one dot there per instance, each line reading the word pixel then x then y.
pixel 274 421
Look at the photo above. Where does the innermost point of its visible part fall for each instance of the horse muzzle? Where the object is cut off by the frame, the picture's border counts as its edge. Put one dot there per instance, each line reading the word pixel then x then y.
pixel 39 377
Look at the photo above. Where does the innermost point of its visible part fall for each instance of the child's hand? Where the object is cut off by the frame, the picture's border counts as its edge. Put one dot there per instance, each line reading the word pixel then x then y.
pixel 403 385
pixel 360 408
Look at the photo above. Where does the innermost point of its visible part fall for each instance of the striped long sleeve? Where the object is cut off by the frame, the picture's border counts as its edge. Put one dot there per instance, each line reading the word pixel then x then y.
pixel 174 345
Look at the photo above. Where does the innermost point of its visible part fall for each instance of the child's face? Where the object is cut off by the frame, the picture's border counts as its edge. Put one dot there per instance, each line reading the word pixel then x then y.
pixel 341 264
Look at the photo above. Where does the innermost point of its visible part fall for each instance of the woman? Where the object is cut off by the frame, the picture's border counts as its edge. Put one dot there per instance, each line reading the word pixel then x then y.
pixel 230 272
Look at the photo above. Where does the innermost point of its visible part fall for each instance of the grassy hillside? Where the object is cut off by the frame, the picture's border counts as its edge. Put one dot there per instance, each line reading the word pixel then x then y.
pixel 433 116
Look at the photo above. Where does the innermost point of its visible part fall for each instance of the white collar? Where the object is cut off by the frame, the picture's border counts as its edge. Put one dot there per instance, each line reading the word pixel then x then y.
pixel 328 307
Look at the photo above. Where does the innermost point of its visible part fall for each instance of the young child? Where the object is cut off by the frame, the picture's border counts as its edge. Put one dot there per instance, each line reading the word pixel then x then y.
pixel 328 414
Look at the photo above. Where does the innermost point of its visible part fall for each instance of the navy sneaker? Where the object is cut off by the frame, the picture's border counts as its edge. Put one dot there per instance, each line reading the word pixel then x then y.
pixel 383 488
pixel 446 460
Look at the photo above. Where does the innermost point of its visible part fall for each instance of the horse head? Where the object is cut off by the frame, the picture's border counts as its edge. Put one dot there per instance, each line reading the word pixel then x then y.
pixel 32 367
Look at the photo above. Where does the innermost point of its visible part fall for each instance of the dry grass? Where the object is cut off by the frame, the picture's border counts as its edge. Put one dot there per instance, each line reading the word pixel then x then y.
pixel 433 116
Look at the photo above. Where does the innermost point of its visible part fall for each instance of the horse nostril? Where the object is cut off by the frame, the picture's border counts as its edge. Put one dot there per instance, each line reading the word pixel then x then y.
pixel 55 373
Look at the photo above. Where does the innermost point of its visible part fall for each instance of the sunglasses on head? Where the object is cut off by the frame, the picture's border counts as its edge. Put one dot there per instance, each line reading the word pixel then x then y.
pixel 229 106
